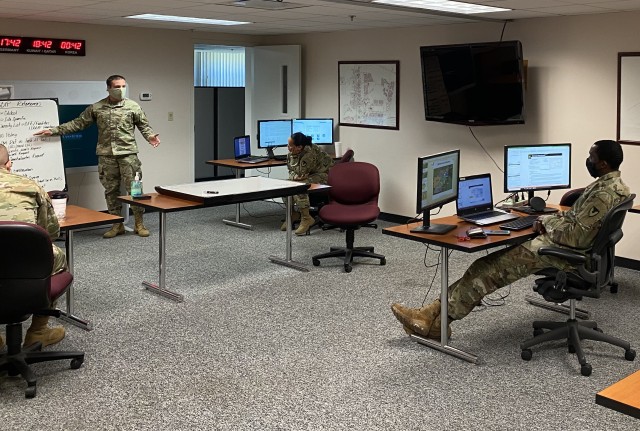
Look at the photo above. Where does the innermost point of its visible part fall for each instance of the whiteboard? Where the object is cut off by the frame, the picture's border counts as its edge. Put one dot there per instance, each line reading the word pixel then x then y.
pixel 36 157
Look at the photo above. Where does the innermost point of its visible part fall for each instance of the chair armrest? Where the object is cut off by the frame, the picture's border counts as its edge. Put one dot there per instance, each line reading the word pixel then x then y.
pixel 573 257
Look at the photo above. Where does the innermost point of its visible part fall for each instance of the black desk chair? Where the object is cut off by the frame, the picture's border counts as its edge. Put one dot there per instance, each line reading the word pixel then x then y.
pixel 593 274
pixel 27 287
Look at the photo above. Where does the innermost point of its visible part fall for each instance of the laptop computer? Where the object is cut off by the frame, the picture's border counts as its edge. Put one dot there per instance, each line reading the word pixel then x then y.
pixel 475 201
pixel 242 151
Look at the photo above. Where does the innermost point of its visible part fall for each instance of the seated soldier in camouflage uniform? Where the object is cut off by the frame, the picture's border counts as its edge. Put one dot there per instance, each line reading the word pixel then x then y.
pixel 117 118
pixel 307 163
pixel 22 199
pixel 575 228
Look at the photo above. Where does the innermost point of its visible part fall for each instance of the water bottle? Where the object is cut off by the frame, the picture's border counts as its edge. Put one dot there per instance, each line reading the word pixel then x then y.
pixel 136 186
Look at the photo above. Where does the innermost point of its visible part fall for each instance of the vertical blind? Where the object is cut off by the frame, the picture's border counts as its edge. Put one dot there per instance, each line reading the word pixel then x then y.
pixel 219 67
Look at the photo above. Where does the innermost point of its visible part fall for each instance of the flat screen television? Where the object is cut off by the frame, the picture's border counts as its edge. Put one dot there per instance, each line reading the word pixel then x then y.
pixel 475 84
pixel 320 129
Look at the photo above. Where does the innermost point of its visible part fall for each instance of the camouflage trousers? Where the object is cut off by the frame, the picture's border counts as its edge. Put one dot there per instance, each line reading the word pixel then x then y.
pixel 113 171
pixel 302 200
pixel 59 260
pixel 493 271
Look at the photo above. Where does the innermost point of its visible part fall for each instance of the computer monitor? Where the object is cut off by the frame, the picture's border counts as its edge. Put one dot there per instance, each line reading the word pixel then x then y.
pixel 528 168
pixel 241 146
pixel 437 185
pixel 320 129
pixel 272 134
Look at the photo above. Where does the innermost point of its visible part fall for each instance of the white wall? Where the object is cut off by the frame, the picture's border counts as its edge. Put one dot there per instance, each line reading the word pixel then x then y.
pixel 571 94
pixel 158 61
pixel 571 97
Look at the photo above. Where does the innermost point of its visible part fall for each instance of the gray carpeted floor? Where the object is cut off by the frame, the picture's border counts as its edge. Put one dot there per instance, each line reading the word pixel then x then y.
pixel 257 346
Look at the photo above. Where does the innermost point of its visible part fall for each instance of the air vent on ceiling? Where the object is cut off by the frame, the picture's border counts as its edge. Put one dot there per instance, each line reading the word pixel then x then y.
pixel 266 4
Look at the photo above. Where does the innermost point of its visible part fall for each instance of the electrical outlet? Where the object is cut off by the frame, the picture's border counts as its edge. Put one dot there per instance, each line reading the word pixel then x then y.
pixel 170 116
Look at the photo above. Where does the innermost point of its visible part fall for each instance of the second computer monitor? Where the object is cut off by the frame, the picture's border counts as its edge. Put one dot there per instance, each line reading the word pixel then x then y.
pixel 437 185
pixel 537 167
pixel 320 129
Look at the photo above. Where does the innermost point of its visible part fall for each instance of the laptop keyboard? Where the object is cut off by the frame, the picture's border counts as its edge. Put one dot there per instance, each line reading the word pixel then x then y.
pixel 520 223
pixel 482 216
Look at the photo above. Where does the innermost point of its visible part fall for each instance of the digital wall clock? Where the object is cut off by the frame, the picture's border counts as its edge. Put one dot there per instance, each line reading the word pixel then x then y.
pixel 41 45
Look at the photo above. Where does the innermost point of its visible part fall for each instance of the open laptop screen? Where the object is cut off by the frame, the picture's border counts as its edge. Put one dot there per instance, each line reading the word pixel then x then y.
pixel 241 147
pixel 474 194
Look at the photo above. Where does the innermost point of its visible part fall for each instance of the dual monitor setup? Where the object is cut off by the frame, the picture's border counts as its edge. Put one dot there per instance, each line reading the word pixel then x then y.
pixel 527 168
pixel 276 133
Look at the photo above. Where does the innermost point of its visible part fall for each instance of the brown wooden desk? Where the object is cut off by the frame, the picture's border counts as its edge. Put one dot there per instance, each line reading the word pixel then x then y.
pixel 239 168
pixel 226 191
pixel 79 218
pixel 450 241
pixel 623 396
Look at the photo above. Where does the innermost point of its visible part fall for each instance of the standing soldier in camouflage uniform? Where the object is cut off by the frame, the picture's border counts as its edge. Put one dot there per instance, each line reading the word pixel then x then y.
pixel 575 229
pixel 116 118
pixel 307 163
pixel 22 199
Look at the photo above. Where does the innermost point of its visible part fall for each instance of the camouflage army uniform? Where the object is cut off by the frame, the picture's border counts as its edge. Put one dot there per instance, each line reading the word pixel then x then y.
pixel 310 166
pixel 575 229
pixel 116 149
pixel 22 199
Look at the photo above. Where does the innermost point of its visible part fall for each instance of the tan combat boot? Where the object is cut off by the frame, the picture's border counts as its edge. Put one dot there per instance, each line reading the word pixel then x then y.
pixel 139 227
pixel 295 216
pixel 306 221
pixel 423 321
pixel 39 331
pixel 116 229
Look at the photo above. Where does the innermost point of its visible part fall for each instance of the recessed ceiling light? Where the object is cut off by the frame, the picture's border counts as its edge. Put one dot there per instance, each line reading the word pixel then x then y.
pixel 443 6
pixel 186 19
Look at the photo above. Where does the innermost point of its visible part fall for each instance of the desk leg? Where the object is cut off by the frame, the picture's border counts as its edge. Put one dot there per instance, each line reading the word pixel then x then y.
pixel 160 288
pixel 237 222
pixel 288 261
pixel 443 345
pixel 68 315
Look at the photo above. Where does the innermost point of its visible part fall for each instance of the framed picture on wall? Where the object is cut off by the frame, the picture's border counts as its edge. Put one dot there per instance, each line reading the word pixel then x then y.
pixel 368 94
pixel 628 127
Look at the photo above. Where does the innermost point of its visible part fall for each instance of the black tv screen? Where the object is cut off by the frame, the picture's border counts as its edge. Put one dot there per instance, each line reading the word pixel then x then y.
pixel 476 84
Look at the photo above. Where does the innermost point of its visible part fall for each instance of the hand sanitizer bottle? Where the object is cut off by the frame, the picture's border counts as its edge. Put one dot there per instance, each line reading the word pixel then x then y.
pixel 136 186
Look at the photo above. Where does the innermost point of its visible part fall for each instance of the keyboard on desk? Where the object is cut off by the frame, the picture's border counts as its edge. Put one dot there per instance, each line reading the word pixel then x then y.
pixel 252 159
pixel 520 223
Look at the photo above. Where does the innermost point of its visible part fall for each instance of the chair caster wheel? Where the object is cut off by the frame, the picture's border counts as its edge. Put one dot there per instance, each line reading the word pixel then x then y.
pixel 347 268
pixel 76 363
pixel 598 329
pixel 383 262
pixel 30 392
pixel 316 262
pixel 630 354
pixel 526 354
pixel 538 331
pixel 585 370
pixel 571 349
pixel 614 287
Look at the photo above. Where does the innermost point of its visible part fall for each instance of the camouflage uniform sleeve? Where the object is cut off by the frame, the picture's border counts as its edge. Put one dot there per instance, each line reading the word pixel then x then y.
pixel 141 122
pixel 305 166
pixel 82 122
pixel 578 229
pixel 46 217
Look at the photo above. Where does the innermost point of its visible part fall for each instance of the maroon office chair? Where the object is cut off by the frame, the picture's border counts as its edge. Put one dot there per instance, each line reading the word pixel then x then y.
pixel 27 287
pixel 353 203
pixel 319 199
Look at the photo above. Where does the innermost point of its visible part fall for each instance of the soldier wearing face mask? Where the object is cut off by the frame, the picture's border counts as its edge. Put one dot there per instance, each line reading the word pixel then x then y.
pixel 117 150
pixel 575 229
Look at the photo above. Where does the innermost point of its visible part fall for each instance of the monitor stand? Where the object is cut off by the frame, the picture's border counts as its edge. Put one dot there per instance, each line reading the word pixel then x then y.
pixel 541 208
pixel 270 153
pixel 427 227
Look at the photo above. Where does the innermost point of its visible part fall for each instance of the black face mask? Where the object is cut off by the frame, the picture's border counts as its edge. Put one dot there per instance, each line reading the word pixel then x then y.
pixel 591 167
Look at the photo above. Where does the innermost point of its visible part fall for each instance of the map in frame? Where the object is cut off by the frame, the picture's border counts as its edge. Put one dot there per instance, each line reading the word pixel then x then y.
pixel 368 94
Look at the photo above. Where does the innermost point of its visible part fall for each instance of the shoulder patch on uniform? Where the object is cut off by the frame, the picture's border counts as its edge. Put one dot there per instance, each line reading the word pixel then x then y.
pixel 594 211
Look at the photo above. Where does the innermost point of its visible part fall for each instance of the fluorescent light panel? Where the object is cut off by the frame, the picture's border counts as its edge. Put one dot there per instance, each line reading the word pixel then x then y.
pixel 443 6
pixel 187 19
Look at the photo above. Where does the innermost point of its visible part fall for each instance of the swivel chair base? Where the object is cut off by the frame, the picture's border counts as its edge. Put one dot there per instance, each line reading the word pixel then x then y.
pixel 574 331
pixel 349 252
pixel 17 359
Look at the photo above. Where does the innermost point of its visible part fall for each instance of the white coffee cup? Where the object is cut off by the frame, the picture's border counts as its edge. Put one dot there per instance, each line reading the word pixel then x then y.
pixel 60 207
pixel 338 148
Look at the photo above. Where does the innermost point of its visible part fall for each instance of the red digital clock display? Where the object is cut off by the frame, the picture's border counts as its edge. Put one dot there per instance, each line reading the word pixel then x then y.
pixel 41 45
